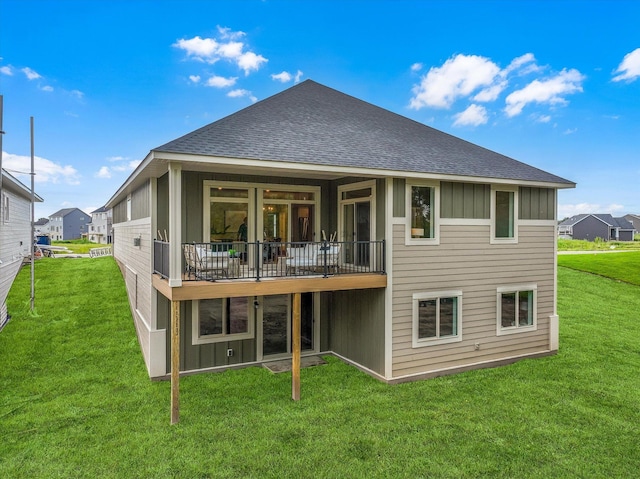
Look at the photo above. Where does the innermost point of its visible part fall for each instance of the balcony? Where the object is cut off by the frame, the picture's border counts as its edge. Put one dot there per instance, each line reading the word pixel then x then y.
pixel 261 260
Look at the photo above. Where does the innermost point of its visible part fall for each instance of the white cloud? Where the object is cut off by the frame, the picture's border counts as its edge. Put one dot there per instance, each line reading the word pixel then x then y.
pixel 550 91
pixel 200 48
pixel 491 93
pixel 6 70
pixel 77 93
pixel 211 50
pixel 194 78
pixel 121 164
pixel 230 50
pixel 286 77
pixel 239 93
pixel 569 131
pixel 416 67
pixel 283 77
pixel 250 61
pixel 543 118
pixel 569 210
pixel 104 172
pixel 47 88
pixel 629 68
pixel 221 82
pixel 47 171
pixel 457 77
pixel 31 74
pixel 519 62
pixel 227 33
pixel 474 115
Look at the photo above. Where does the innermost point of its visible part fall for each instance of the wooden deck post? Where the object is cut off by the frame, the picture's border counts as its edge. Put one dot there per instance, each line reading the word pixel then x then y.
pixel 295 360
pixel 175 362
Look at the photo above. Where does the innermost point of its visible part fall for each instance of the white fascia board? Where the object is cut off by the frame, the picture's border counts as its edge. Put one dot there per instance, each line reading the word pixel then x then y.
pixel 125 187
pixel 348 170
pixel 12 183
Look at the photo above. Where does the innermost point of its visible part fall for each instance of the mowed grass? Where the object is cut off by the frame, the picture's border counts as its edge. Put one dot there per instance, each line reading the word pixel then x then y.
pixel 584 245
pixel 621 266
pixel 76 401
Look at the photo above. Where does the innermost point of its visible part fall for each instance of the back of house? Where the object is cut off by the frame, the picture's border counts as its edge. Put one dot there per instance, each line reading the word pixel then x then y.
pixel 414 253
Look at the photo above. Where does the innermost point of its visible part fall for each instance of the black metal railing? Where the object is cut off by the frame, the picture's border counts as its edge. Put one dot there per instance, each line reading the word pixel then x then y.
pixel 161 258
pixel 273 259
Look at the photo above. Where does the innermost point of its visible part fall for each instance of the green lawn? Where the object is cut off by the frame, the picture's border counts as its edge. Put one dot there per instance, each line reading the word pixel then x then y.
pixel 77 246
pixel 583 245
pixel 621 266
pixel 75 400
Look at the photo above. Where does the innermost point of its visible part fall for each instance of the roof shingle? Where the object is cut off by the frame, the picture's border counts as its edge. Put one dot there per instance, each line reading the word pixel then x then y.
pixel 313 124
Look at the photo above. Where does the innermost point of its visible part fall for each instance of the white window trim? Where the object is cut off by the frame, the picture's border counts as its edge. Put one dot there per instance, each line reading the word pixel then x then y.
pixel 511 189
pixel 260 188
pixel 436 213
pixel 372 205
pixel 207 200
pixel 218 338
pixel 422 342
pixel 500 331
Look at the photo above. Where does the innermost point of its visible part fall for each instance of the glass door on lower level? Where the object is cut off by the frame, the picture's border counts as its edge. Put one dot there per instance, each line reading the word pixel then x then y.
pixel 277 317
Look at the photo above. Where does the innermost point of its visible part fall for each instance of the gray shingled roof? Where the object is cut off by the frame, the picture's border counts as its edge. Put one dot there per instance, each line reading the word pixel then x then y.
pixel 313 124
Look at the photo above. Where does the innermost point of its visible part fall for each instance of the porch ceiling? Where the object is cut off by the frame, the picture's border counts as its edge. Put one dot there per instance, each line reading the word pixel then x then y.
pixel 269 286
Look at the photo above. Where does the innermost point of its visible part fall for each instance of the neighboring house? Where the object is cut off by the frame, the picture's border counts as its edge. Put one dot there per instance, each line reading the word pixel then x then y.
pixel 68 224
pixel 99 229
pixel 440 254
pixel 41 227
pixel 16 241
pixel 591 226
pixel 634 220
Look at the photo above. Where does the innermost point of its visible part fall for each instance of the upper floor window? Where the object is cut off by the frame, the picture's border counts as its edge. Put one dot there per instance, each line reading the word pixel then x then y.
pixel 504 227
pixel 422 212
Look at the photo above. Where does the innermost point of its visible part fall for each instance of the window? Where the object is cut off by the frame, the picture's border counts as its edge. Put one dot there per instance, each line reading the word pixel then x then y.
pixel 517 309
pixel 422 208
pixel 437 318
pixel 226 319
pixel 227 216
pixel 503 225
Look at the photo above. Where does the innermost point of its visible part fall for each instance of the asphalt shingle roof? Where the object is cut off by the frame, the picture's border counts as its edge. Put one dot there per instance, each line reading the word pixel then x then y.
pixel 313 124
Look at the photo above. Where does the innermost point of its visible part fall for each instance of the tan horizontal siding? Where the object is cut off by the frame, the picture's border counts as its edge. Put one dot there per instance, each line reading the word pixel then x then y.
pixel 466 261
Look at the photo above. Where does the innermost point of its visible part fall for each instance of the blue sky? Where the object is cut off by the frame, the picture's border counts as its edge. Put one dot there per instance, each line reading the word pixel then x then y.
pixel 552 84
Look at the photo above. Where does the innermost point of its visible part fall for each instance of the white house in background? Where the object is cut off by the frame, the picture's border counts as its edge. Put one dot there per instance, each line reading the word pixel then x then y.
pixel 99 230
pixel 15 234
pixel 41 226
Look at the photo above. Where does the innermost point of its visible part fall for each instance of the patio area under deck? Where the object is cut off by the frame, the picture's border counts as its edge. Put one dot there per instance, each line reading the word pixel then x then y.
pixel 190 290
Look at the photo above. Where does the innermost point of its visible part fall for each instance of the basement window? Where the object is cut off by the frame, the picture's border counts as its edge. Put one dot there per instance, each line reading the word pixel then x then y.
pixel 517 309
pixel 225 319
pixel 437 318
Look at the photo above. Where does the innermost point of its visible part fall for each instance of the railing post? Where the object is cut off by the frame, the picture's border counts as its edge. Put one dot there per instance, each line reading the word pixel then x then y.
pixel 384 258
pixel 325 249
pixel 258 259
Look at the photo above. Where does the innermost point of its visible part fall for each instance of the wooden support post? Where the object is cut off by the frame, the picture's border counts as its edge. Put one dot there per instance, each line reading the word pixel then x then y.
pixel 295 360
pixel 175 362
